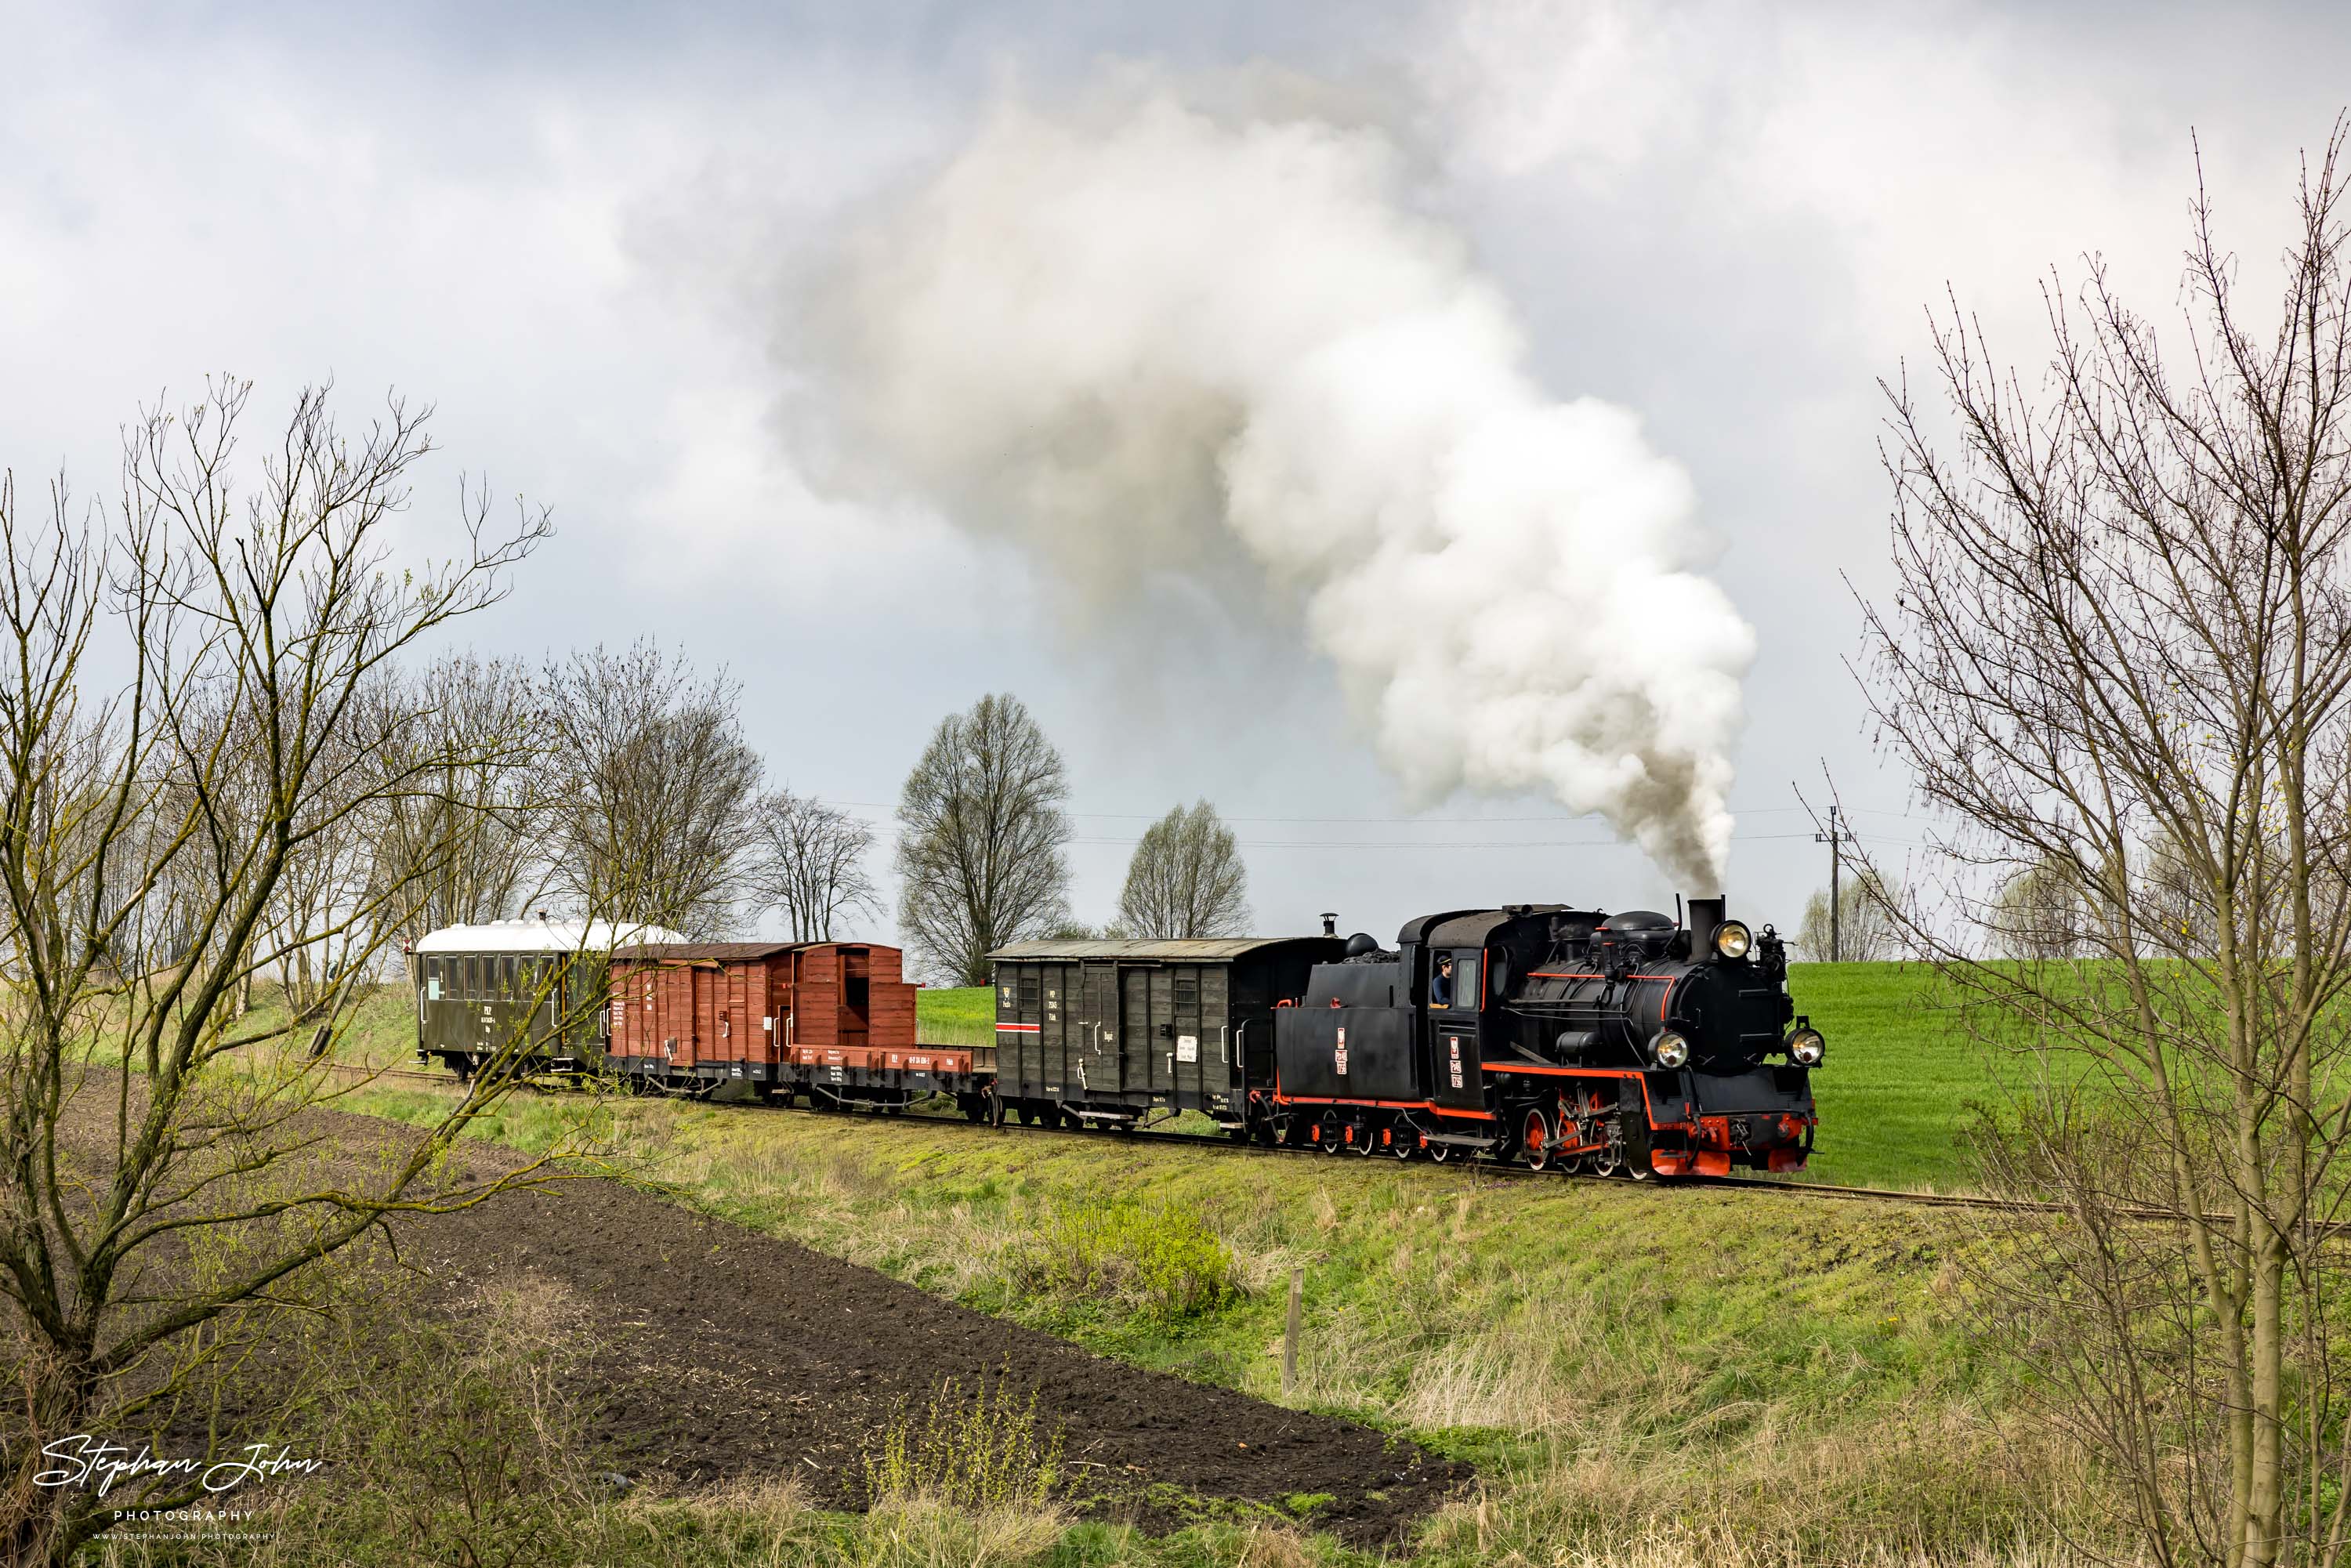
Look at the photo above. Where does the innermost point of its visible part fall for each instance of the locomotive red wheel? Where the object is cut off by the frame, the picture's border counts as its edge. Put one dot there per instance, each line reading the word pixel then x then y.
pixel 1400 1141
pixel 1360 1143
pixel 1534 1141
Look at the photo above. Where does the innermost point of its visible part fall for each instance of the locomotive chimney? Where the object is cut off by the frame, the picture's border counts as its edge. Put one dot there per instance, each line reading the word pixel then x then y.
pixel 1705 915
pixel 1330 922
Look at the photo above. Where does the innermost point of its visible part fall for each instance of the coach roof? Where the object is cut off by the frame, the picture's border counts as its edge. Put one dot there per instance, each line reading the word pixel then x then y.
pixel 540 936
pixel 1189 950
pixel 721 952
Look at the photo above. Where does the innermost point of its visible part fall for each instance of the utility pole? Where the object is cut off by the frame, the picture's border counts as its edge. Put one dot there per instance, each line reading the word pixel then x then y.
pixel 1834 839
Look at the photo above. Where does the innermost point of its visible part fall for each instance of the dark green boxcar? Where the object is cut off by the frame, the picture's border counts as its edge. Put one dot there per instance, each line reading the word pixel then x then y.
pixel 1107 1032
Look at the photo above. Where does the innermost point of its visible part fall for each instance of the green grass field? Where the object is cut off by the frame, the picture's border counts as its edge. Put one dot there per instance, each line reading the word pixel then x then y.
pixel 964 1015
pixel 1900 1083
pixel 1902 1078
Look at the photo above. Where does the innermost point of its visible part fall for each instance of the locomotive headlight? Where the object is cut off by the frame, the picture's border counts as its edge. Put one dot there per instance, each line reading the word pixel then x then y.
pixel 1732 939
pixel 1671 1049
pixel 1805 1047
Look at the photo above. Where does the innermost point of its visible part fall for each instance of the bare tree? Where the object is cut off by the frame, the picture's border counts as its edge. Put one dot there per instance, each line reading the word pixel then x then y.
pixel 157 1204
pixel 1186 878
pixel 484 727
pixel 2120 653
pixel 1864 933
pixel 980 837
pixel 2039 913
pixel 656 785
pixel 810 863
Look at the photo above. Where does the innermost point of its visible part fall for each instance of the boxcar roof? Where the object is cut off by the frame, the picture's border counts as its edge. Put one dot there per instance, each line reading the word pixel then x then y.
pixel 539 937
pixel 725 952
pixel 1195 950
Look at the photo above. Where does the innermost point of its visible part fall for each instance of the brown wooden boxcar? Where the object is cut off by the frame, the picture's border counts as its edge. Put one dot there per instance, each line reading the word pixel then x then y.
pixel 834 1021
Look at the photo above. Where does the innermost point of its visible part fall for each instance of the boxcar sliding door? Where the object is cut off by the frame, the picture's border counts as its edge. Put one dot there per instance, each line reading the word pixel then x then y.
pixel 1098 1015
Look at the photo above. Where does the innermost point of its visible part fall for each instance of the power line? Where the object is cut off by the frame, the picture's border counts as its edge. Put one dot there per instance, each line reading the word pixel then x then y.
pixel 1355 845
pixel 1452 821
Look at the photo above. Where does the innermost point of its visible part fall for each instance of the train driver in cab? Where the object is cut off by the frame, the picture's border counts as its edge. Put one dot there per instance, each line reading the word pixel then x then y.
pixel 1440 982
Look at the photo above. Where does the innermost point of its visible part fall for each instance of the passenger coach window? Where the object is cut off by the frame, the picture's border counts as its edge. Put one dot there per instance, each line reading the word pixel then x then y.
pixel 506 976
pixel 472 978
pixel 432 980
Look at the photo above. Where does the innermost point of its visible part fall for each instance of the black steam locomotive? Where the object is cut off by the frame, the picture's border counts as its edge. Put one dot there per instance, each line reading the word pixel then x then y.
pixel 1555 1037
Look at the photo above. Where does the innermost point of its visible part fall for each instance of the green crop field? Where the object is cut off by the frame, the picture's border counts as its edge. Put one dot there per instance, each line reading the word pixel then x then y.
pixel 1900 1081
pixel 1902 1078
pixel 963 1014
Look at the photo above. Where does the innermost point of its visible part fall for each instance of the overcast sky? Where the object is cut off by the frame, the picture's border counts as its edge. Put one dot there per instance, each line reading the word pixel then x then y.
pixel 575 230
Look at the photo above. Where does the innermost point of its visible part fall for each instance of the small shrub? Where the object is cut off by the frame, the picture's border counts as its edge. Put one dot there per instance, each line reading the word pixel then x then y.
pixel 977 1452
pixel 1160 1260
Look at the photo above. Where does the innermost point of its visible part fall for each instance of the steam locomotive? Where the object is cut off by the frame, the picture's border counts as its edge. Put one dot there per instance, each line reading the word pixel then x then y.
pixel 1555 1037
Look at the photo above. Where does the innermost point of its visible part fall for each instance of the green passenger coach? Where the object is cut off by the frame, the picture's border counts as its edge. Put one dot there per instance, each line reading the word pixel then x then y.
pixel 481 988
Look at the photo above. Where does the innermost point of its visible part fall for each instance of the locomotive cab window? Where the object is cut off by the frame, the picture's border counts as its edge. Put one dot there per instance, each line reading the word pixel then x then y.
pixel 1453 979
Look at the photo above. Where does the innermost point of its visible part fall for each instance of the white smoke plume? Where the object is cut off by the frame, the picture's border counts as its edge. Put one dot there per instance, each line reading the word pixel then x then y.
pixel 1135 336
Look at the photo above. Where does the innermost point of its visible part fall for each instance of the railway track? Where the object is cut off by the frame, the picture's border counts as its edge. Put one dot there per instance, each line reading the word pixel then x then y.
pixel 1823 1191
pixel 1483 1168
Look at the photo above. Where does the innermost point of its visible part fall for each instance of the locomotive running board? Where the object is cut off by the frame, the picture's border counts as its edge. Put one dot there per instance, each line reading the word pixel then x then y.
pixel 1460 1140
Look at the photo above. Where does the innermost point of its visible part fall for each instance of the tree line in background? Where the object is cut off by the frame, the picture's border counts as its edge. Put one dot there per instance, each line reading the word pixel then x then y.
pixel 621 783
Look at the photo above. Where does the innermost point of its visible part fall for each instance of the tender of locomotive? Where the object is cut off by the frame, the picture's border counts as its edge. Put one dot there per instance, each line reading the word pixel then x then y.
pixel 1553 1037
